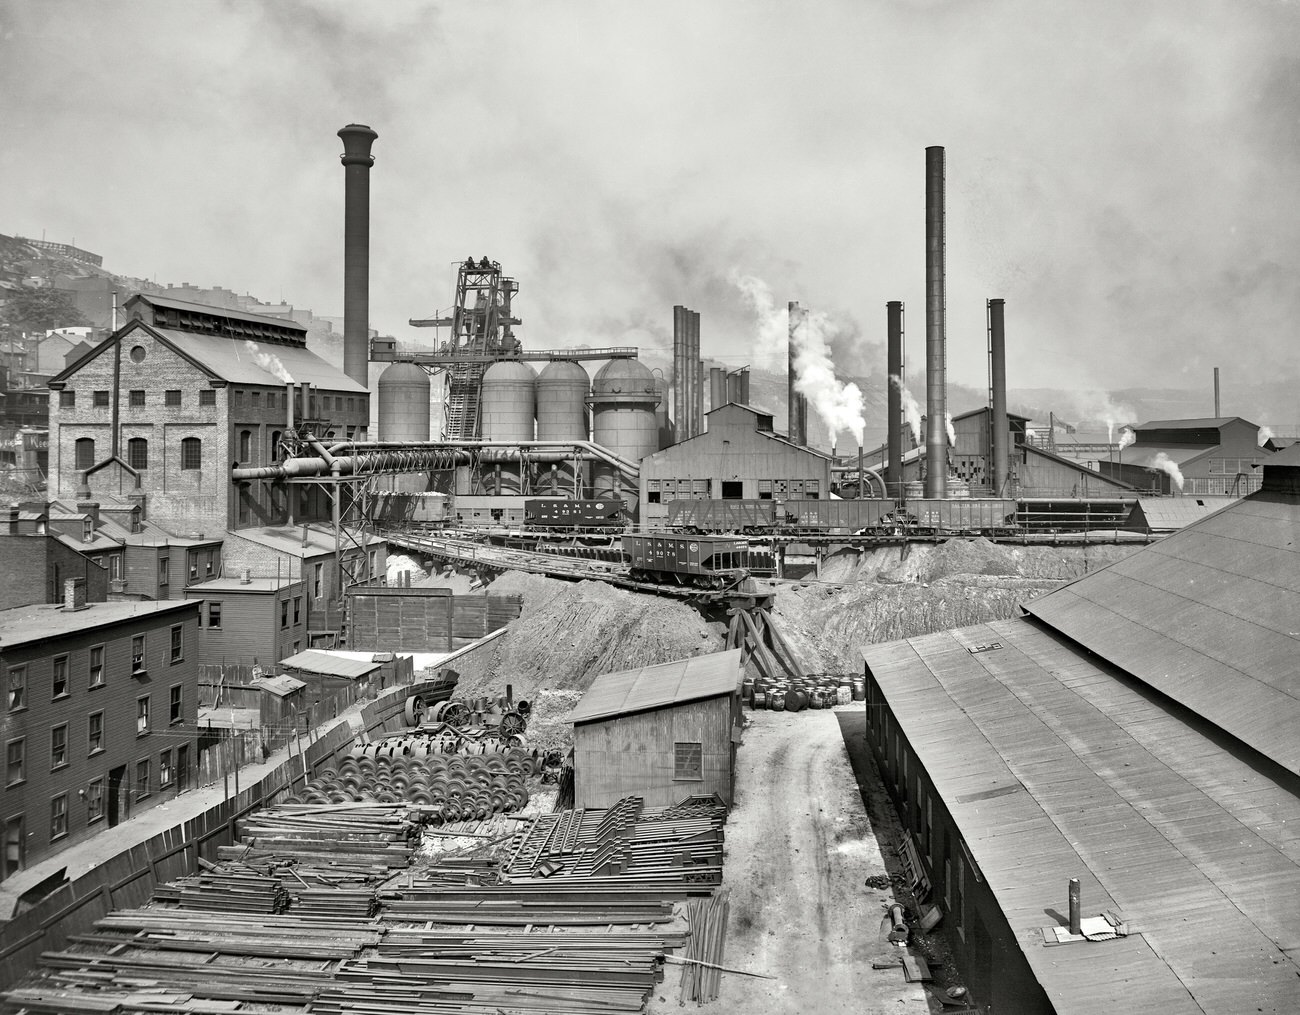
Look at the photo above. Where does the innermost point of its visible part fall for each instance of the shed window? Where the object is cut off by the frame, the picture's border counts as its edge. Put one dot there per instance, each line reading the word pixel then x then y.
pixel 137 453
pixel 101 399
pixel 688 761
pixel 84 451
pixel 191 453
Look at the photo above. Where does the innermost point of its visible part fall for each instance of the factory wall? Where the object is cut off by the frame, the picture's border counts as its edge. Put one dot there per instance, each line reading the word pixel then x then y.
pixel 732 460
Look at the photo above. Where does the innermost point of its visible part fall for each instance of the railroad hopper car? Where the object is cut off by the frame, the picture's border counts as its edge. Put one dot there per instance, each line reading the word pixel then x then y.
pixel 794 517
pixel 568 515
pixel 707 561
pixel 956 516
pixel 747 516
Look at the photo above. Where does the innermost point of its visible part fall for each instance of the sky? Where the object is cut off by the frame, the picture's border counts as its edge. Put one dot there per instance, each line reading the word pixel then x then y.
pixel 1123 174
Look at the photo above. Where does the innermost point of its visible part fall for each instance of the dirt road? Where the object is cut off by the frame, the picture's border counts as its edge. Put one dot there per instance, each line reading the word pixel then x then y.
pixel 799 846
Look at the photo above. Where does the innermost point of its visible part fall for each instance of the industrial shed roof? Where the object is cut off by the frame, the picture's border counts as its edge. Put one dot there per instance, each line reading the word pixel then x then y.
pixel 159 300
pixel 316 661
pixel 651 687
pixel 1199 423
pixel 1146 454
pixel 1168 514
pixel 1054 767
pixel 232 360
pixel 1209 615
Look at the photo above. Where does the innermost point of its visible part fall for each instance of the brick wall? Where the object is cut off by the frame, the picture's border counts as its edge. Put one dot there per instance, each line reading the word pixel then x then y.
pixel 33 568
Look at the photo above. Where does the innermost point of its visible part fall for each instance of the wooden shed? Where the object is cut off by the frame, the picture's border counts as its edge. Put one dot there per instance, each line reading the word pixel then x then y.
pixel 661 732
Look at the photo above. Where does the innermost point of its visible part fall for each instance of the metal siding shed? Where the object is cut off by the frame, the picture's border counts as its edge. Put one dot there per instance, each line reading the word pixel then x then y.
pixel 1208 616
pixel 664 684
pixel 1155 817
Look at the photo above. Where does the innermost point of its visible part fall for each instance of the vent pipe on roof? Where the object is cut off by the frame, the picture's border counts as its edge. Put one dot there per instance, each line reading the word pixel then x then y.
pixel 999 434
pixel 936 436
pixel 246 576
pixel 894 419
pixel 357 160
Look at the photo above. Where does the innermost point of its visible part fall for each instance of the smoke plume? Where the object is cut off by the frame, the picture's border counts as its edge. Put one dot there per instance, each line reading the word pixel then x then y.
pixel 947 424
pixel 269 362
pixel 1265 434
pixel 1126 437
pixel 837 403
pixel 1168 466
pixel 910 408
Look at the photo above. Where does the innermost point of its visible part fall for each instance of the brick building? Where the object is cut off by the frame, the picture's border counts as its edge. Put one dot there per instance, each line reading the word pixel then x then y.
pixel 158 413
pixel 35 561
pixel 99 717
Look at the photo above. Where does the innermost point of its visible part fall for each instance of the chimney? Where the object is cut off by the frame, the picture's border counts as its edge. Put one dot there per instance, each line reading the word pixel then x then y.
pixel 357 160
pixel 999 433
pixel 697 378
pixel 894 418
pixel 289 392
pixel 681 415
pixel 246 576
pixel 137 498
pixel 797 404
pixel 74 594
pixel 83 486
pixel 90 508
pixel 1216 392
pixel 936 371
pixel 717 387
pixel 14 512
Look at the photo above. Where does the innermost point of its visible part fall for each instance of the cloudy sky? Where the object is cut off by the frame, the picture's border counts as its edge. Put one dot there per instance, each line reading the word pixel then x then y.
pixel 1124 174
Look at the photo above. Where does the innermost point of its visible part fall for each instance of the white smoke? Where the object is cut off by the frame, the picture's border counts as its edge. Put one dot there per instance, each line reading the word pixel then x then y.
pixel 269 362
pixel 1126 437
pixel 952 434
pixel 1265 434
pixel 1110 432
pixel 910 408
pixel 839 404
pixel 1168 466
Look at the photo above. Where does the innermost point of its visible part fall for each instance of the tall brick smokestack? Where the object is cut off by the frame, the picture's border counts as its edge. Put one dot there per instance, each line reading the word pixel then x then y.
pixel 936 311
pixel 357 160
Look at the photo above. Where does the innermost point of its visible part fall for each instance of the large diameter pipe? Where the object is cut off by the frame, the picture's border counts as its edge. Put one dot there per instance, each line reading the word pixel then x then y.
pixel 999 432
pixel 894 419
pixel 357 160
pixel 936 431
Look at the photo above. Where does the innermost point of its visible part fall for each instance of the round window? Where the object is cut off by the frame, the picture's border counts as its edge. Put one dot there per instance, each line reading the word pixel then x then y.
pixel 137 354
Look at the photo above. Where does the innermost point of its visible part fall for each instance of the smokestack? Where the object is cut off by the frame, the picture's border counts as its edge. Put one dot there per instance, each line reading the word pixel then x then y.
pixel 698 415
pixel 681 417
pixel 1216 392
pixel 797 404
pixel 936 381
pixel 999 434
pixel 894 429
pixel 717 387
pixel 290 389
pixel 357 160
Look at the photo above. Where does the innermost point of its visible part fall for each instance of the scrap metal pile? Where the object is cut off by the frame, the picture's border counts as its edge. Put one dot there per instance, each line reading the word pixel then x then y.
pixel 571 912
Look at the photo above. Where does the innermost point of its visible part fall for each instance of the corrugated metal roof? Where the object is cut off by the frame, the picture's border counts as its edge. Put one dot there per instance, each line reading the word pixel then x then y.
pixel 206 308
pixel 1168 514
pixel 1200 423
pixel 651 687
pixel 1145 454
pixel 232 360
pixel 1209 615
pixel 318 661
pixel 1054 768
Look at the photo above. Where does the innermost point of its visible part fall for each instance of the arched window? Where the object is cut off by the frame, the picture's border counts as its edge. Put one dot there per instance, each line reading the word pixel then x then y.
pixel 275 446
pixel 85 452
pixel 191 453
pixel 137 453
pixel 245 446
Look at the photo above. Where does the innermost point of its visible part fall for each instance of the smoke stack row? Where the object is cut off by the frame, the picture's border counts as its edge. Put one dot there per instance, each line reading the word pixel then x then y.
pixel 357 160
pixel 796 403
pixel 688 374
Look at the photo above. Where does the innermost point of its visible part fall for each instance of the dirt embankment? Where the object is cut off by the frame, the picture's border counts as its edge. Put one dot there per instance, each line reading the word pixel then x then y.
pixel 890 593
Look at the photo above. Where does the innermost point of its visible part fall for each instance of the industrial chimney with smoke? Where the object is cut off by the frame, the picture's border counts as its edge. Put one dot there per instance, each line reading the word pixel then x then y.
pixel 357 160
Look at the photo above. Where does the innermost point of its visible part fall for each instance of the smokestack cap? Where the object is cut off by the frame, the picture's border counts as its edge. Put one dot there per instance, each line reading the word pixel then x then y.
pixel 357 139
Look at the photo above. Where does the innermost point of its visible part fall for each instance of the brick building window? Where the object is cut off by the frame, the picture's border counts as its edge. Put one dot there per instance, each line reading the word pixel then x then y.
pixel 97 666
pixel 275 445
pixel 59 746
pixel 191 453
pixel 175 705
pixel 171 397
pixel 142 779
pixel 165 772
pixel 15 761
pixel 67 399
pixel 17 688
pixel 95 732
pixel 255 397
pixel 137 398
pixel 239 398
pixel 688 761
pixel 142 716
pixel 178 644
pixel 84 452
pixel 214 616
pixel 137 654
pixel 94 800
pixel 245 446
pixel 137 453
pixel 207 397
pixel 100 399
pixel 59 677
pixel 59 817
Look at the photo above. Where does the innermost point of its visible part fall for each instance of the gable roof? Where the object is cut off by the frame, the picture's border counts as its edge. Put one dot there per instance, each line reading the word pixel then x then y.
pixel 653 687
pixel 1168 514
pixel 1052 767
pixel 206 308
pixel 1201 423
pixel 1209 616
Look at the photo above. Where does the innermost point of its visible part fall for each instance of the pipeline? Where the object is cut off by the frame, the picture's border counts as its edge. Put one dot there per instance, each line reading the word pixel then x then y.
pixel 853 470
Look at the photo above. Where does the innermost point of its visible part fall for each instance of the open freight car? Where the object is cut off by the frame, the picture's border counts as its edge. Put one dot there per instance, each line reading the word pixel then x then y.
pixel 707 561
pixel 563 515
pixel 961 516
pixel 750 517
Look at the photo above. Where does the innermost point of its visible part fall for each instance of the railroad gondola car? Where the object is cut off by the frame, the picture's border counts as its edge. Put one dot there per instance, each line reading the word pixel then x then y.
pixel 707 561
pixel 962 516
pixel 563 515
pixel 747 517
pixel 834 517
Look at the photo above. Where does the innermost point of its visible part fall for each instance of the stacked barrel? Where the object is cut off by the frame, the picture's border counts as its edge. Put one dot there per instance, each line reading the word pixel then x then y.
pixel 824 690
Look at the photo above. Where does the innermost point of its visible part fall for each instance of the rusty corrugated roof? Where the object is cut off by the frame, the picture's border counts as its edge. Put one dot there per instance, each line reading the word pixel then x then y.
pixel 651 687
pixel 1054 767
pixel 1209 615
